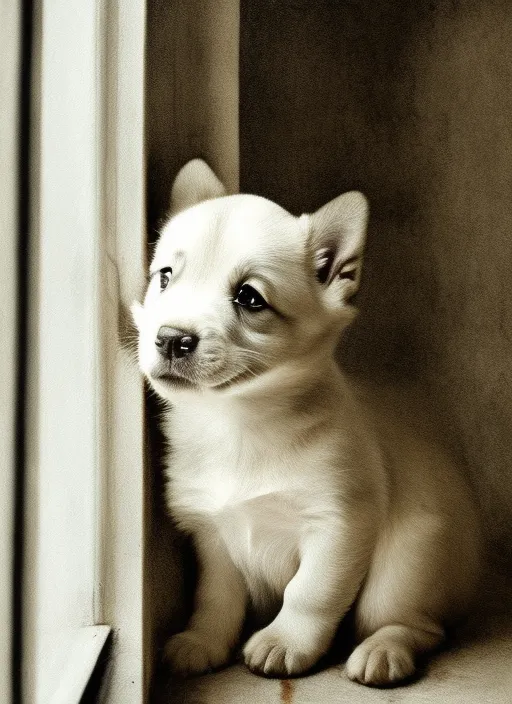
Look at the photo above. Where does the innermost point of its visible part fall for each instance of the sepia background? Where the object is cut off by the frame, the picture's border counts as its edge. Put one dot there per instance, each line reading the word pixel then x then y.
pixel 102 103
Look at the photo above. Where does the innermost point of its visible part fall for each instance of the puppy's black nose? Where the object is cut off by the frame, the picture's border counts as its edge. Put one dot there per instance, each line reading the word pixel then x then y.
pixel 175 343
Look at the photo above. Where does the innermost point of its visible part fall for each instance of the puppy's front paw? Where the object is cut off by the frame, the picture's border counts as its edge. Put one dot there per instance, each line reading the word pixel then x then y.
pixel 380 664
pixel 275 652
pixel 191 653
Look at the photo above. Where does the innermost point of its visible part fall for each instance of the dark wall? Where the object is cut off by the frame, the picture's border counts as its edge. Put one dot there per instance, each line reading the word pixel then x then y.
pixel 412 103
pixel 191 94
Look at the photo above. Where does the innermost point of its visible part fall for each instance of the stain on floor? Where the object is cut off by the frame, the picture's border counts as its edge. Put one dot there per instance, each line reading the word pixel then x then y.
pixel 286 691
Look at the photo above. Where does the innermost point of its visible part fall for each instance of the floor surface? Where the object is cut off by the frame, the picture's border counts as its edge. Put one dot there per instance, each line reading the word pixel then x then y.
pixel 475 669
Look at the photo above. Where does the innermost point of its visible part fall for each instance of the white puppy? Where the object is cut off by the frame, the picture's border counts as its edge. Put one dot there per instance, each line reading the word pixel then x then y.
pixel 301 497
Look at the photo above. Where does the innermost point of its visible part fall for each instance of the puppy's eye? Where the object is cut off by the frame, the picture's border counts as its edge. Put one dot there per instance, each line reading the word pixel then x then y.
pixel 165 277
pixel 247 297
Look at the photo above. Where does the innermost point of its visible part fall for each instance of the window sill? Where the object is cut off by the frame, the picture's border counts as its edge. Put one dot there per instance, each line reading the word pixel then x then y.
pixel 84 652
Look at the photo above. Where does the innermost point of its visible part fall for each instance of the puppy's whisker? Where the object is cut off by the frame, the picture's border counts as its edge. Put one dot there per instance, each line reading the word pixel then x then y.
pixel 248 370
pixel 254 356
pixel 254 353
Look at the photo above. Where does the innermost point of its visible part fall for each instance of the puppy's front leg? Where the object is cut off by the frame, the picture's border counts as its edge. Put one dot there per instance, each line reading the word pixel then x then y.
pixel 334 559
pixel 218 616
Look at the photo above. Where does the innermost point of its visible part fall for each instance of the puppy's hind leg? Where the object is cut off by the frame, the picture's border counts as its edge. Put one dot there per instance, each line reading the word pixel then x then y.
pixel 388 655
pixel 416 584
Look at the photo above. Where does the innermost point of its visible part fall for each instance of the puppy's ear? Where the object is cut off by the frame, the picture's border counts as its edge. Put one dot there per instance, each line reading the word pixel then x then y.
pixel 194 183
pixel 337 234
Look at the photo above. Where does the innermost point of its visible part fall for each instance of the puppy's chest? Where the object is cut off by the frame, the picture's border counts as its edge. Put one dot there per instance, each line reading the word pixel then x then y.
pixel 240 491
pixel 221 462
pixel 253 493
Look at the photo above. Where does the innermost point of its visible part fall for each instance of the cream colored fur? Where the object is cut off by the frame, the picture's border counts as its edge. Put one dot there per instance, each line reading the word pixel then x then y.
pixel 299 488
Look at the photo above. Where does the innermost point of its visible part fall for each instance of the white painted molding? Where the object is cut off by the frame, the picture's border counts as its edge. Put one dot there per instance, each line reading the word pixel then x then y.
pixel 69 502
pixel 9 119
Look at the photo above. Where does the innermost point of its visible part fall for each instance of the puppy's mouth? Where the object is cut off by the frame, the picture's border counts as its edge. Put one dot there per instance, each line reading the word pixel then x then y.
pixel 235 380
pixel 173 380
pixel 188 378
pixel 180 382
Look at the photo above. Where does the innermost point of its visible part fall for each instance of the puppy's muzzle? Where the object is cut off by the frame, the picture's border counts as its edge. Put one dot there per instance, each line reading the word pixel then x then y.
pixel 173 344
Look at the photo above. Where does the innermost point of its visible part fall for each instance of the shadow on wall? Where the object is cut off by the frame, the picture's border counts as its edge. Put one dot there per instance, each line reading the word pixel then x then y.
pixel 411 103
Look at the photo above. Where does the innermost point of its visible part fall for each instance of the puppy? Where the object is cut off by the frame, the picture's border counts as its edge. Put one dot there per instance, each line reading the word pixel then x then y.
pixel 303 496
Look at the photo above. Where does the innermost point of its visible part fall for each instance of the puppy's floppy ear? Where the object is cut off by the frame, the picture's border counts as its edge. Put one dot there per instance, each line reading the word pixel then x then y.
pixel 194 183
pixel 337 234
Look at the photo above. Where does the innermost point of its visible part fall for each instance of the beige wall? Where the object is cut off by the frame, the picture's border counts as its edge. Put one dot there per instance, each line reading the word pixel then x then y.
pixel 411 102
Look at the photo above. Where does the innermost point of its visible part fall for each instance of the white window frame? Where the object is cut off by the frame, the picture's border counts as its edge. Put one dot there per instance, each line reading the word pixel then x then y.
pixel 84 551
pixel 10 41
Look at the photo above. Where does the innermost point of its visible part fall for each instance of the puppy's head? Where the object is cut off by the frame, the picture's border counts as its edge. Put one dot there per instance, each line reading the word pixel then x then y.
pixel 239 288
